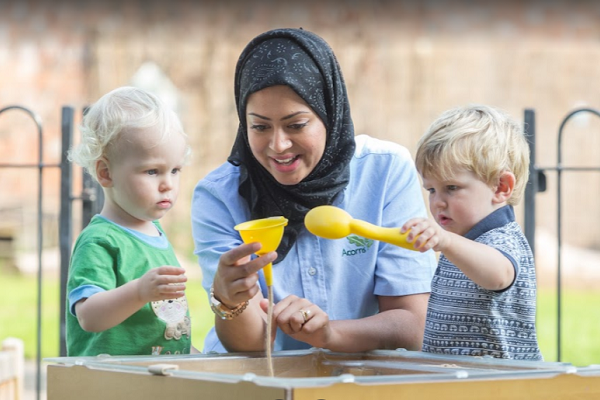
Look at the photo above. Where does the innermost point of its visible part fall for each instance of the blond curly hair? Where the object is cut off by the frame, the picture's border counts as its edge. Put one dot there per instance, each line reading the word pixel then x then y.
pixel 113 115
pixel 478 138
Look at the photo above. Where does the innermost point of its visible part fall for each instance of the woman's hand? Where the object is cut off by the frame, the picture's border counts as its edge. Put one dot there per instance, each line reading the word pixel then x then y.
pixel 300 319
pixel 235 282
pixel 236 276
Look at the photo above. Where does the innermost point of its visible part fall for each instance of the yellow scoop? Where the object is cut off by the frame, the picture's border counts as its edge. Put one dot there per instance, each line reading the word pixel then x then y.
pixel 268 232
pixel 334 223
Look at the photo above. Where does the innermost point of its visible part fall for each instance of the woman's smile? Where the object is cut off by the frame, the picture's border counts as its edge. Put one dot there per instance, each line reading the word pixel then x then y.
pixel 286 164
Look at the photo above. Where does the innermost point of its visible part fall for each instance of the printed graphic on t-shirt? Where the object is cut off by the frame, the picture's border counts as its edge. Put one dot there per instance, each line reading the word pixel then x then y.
pixel 359 244
pixel 157 351
pixel 174 313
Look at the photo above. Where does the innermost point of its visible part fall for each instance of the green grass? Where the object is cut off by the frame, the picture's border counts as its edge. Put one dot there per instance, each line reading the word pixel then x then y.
pixel 580 326
pixel 18 313
pixel 18 318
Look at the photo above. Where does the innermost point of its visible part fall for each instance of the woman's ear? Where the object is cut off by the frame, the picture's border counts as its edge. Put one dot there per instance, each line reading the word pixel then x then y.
pixel 103 172
pixel 504 190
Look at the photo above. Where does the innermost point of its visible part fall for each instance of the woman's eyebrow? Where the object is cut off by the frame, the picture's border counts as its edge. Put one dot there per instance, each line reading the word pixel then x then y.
pixel 292 115
pixel 259 116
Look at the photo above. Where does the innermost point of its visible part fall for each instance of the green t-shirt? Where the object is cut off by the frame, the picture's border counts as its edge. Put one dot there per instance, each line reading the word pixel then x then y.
pixel 105 257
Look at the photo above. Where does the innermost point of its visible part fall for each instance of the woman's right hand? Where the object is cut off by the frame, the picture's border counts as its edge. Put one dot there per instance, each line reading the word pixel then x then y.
pixel 302 320
pixel 236 276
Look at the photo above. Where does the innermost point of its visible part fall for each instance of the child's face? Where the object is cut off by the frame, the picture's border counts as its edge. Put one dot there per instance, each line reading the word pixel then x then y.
pixel 459 204
pixel 145 175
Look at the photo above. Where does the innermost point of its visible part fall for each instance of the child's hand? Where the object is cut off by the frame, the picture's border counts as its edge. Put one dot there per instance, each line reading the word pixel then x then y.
pixel 430 234
pixel 162 283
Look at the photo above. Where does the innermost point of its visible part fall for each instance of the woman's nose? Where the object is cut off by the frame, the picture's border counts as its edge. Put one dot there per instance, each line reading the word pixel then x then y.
pixel 280 141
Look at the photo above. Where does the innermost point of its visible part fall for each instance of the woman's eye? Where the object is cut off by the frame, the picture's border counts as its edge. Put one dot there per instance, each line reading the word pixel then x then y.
pixel 257 127
pixel 299 126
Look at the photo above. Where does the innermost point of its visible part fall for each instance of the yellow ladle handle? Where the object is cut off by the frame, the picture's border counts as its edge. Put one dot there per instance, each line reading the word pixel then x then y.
pixel 388 235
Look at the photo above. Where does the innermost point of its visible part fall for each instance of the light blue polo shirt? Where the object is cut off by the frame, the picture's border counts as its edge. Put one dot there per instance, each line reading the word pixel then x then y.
pixel 343 276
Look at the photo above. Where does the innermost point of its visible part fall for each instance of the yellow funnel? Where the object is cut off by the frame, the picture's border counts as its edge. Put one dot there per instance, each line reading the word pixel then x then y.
pixel 268 232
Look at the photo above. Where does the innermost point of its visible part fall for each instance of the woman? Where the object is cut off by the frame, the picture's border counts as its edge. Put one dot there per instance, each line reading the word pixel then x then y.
pixel 295 149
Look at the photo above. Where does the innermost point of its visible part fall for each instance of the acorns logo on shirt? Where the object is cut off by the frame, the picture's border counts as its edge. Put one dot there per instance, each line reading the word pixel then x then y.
pixel 361 244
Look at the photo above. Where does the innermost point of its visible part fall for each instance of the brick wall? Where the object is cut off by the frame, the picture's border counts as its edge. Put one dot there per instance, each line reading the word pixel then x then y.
pixel 404 63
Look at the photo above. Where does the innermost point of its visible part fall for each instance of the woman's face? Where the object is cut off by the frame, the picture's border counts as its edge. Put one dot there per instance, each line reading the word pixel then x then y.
pixel 285 135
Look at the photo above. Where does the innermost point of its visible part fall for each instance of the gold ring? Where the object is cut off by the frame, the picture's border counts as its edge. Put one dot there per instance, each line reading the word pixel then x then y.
pixel 305 314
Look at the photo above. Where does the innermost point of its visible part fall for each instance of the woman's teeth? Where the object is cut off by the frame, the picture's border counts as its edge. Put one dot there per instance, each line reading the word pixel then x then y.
pixel 285 161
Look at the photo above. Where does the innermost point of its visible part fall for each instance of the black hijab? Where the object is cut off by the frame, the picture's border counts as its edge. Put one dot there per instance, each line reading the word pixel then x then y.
pixel 306 63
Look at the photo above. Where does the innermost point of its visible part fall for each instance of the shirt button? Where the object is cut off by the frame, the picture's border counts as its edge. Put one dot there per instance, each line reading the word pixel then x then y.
pixel 312 271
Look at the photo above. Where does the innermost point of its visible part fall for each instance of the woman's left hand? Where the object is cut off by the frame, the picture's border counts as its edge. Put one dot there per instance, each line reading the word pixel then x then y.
pixel 300 319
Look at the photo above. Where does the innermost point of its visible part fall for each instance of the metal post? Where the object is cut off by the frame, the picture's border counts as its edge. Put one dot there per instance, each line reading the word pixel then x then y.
pixel 532 184
pixel 92 199
pixel 65 219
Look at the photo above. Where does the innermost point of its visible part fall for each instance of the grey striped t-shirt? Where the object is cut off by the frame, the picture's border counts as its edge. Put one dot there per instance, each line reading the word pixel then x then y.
pixel 466 319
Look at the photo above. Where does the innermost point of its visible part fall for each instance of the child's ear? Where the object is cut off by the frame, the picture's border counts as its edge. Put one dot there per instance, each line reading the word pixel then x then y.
pixel 506 184
pixel 103 172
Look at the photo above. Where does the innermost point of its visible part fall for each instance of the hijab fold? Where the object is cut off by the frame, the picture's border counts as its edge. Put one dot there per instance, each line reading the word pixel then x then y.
pixel 305 62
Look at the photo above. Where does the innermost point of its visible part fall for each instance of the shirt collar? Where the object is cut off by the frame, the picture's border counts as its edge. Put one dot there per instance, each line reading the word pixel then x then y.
pixel 496 219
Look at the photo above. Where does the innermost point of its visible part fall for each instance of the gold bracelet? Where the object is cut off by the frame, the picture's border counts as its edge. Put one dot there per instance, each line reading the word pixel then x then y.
pixel 221 310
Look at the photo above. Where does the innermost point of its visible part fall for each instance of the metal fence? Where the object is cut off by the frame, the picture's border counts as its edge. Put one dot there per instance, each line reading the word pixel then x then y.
pixel 92 199
pixel 40 167
pixel 536 184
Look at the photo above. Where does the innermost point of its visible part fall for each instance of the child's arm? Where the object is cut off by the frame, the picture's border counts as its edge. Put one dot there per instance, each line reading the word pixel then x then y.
pixel 107 309
pixel 482 264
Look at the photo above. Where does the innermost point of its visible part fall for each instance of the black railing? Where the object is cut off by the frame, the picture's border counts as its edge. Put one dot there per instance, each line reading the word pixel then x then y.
pixel 537 183
pixel 40 167
pixel 92 199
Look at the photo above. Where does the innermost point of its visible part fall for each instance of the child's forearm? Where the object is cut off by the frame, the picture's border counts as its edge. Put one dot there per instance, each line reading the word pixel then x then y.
pixel 107 309
pixel 482 264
